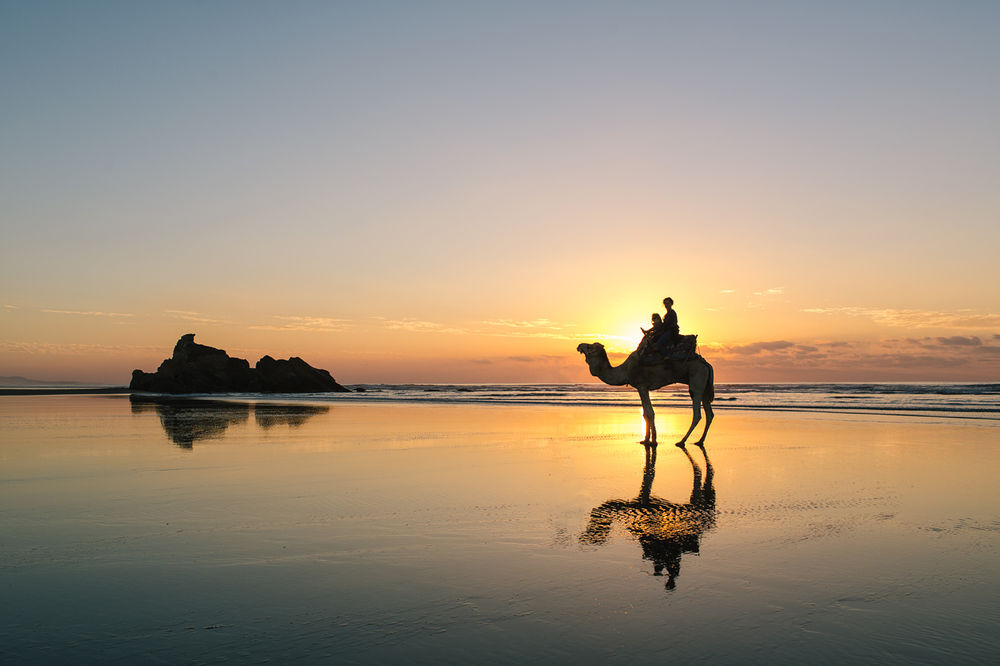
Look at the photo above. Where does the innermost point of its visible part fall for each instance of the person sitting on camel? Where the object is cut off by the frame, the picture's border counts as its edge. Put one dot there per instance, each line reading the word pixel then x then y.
pixel 671 331
pixel 652 334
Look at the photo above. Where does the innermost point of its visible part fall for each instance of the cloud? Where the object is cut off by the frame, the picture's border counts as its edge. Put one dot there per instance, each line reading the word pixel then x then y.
pixel 915 361
pixel 960 341
pixel 196 317
pixel 727 291
pixel 758 347
pixel 298 323
pixel 535 328
pixel 504 328
pixel 87 313
pixel 418 326
pixel 944 358
pixel 539 334
pixel 537 358
pixel 534 323
pixel 971 344
pixel 51 348
pixel 915 318
pixel 773 291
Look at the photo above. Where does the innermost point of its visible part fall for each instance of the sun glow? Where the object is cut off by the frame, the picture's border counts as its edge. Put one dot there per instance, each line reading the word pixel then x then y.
pixel 626 341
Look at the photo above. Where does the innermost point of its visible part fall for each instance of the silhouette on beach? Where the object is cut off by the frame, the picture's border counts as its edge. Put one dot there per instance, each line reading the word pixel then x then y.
pixel 674 361
pixel 664 530
pixel 644 377
pixel 188 421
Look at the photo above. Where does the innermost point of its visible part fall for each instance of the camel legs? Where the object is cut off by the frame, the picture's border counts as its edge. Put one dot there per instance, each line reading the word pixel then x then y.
pixel 709 415
pixel 696 418
pixel 648 416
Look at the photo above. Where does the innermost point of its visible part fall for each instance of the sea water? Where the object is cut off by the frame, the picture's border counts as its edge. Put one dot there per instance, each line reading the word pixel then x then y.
pixel 959 400
pixel 464 529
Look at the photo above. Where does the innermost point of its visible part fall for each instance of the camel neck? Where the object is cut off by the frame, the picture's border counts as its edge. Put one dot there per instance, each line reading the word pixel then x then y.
pixel 601 368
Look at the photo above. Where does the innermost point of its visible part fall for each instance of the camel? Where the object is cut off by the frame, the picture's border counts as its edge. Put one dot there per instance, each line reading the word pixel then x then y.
pixel 697 373
pixel 664 530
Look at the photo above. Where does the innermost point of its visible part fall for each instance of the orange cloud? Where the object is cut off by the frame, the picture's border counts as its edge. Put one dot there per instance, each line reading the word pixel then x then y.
pixel 297 323
pixel 953 358
pixel 197 317
pixel 87 313
pixel 915 318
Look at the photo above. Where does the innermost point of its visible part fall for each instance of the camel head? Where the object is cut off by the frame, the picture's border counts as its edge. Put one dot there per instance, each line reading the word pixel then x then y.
pixel 589 349
pixel 597 361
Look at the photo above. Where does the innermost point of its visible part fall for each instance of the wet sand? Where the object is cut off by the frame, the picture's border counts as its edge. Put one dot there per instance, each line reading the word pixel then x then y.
pixel 361 533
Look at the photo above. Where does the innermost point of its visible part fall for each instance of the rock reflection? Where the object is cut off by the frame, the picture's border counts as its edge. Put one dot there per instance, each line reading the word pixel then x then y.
pixel 269 416
pixel 188 421
pixel 664 530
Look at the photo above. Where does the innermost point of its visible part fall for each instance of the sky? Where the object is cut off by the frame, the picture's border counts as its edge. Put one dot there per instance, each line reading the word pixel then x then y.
pixel 464 191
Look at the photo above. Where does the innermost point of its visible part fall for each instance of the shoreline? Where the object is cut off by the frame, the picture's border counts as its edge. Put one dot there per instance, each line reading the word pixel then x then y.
pixel 987 416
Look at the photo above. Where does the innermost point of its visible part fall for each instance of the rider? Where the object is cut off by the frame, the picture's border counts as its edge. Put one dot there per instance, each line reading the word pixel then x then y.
pixel 652 334
pixel 671 331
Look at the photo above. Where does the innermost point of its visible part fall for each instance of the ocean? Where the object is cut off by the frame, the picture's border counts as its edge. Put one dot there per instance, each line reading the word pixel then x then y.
pixel 500 524
pixel 980 401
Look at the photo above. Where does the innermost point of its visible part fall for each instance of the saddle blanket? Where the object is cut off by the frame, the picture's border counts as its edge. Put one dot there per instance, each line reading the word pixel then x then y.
pixel 685 349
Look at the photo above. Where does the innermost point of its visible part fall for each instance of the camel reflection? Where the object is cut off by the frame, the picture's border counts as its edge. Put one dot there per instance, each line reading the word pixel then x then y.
pixel 665 530
pixel 188 421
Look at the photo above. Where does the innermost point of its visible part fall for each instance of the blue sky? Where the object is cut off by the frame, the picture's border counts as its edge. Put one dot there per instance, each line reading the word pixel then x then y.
pixel 449 163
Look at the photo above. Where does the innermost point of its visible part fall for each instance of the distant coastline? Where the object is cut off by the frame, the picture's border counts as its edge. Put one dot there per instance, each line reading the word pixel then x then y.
pixel 10 381
pixel 62 390
pixel 18 385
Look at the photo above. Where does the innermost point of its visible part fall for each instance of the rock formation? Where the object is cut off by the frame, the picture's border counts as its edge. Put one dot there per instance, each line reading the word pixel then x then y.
pixel 196 368
pixel 293 376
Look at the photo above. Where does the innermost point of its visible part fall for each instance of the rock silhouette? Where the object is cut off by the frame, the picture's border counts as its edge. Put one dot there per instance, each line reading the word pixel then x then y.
pixel 196 368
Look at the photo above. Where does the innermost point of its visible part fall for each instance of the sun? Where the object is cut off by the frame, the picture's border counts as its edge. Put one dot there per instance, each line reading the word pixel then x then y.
pixel 628 338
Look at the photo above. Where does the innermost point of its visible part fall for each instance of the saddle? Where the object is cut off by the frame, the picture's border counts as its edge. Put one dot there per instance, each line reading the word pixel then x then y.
pixel 684 349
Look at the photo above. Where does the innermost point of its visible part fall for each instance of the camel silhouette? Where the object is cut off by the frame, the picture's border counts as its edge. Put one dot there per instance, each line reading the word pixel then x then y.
pixel 644 377
pixel 664 530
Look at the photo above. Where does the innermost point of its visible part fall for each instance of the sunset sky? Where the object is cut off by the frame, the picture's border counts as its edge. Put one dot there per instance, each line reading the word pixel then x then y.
pixel 464 191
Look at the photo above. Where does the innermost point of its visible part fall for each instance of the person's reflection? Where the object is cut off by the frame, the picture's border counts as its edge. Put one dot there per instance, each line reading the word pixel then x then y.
pixel 665 530
pixel 188 421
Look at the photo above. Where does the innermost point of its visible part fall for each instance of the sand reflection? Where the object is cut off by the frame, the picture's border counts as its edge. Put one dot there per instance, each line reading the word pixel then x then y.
pixel 664 530
pixel 188 421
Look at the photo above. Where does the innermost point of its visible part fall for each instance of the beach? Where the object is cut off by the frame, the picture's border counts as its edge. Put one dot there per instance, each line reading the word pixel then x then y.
pixel 353 532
